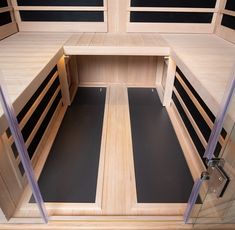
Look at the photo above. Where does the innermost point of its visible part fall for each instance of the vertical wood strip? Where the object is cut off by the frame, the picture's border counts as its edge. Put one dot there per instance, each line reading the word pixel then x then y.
pixel 64 81
pixel 169 82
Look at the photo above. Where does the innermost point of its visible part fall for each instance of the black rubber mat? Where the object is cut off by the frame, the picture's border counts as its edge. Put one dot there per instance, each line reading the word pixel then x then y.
pixel 162 174
pixel 71 170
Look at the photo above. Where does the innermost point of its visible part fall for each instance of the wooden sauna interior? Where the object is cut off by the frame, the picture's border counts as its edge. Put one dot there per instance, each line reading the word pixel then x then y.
pixel 116 101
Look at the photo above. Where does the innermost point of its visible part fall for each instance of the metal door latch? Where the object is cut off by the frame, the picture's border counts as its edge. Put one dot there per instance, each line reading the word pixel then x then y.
pixel 219 180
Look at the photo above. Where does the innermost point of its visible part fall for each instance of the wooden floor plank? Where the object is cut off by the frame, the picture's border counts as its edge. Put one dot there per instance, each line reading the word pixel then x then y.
pixel 118 176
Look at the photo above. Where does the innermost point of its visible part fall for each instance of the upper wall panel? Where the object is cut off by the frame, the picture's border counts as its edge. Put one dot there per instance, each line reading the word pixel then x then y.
pixel 163 16
pixel 172 16
pixel 61 15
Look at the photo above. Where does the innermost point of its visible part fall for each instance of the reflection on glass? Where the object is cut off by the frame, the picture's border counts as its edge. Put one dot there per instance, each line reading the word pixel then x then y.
pixel 216 209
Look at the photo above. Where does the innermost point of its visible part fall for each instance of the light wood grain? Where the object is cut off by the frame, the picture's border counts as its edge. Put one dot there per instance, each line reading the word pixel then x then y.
pixel 207 62
pixel 169 82
pixel 12 187
pixel 114 224
pixel 64 81
pixel 60 8
pixel 198 106
pixel 41 26
pixel 117 16
pixel 7 205
pixel 5 9
pixel 118 178
pixel 226 33
pixel 117 44
pixel 191 155
pixel 7 30
pixel 228 12
pixel 41 119
pixel 35 105
pixel 72 74
pixel 69 27
pixel 171 9
pixel 160 70
pixel 29 210
pixel 136 27
pixel 26 60
pixel 116 188
pixel 191 119
pixel 117 69
pixel 10 162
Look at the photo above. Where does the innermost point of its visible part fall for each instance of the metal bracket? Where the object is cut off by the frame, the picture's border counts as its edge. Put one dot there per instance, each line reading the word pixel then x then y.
pixel 216 162
pixel 218 178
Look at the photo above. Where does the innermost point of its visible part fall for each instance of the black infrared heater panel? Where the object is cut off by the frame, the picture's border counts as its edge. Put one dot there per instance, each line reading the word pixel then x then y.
pixel 62 16
pixel 174 3
pixel 3 3
pixel 60 3
pixel 228 21
pixel 170 17
pixel 196 115
pixel 230 5
pixel 5 18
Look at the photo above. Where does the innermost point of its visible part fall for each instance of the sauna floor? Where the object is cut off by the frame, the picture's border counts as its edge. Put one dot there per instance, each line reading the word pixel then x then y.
pixel 70 172
pixel 142 170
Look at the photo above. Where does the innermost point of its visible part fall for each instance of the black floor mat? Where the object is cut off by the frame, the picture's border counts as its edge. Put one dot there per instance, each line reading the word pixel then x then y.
pixel 71 170
pixel 162 174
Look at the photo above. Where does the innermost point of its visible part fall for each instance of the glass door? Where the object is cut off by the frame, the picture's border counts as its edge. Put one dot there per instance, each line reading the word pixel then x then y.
pixel 219 199
pixel 212 200
pixel 20 199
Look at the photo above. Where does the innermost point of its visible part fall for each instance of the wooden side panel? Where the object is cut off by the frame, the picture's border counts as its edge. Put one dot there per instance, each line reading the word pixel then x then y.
pixel 35 119
pixel 226 33
pixel 7 30
pixel 8 173
pixel 72 75
pixel 117 69
pixel 6 202
pixel 63 81
pixel 169 82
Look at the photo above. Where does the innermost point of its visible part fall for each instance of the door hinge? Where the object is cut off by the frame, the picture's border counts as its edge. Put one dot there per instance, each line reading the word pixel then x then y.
pixel 219 179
